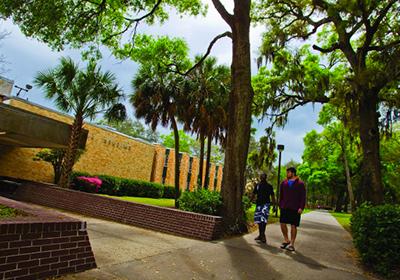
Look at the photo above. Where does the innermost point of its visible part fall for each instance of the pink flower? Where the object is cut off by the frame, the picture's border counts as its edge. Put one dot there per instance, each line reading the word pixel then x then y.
pixel 95 181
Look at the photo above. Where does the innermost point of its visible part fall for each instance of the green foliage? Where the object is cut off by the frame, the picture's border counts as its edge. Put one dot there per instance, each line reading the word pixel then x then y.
pixel 77 24
pixel 85 93
pixel 185 141
pixel 246 203
pixel 55 157
pixel 133 128
pixel 261 155
pixel 121 187
pixel 390 154
pixel 201 201
pixel 376 235
pixel 169 192
pixel 7 212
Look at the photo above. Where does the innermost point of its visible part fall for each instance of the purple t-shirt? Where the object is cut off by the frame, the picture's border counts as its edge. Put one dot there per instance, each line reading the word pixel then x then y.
pixel 292 195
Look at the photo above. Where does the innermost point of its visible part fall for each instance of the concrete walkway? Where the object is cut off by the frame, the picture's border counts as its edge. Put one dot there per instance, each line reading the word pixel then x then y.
pixel 324 251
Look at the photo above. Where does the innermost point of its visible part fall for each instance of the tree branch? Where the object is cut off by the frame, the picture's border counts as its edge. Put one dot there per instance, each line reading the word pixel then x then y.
pixel 332 48
pixel 223 12
pixel 382 15
pixel 212 43
pixel 135 21
pixel 384 47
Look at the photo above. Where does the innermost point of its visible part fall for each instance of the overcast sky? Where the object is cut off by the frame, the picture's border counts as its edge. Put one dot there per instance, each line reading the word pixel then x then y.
pixel 28 56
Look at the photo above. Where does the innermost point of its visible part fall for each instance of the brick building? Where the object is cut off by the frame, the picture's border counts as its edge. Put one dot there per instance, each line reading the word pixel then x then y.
pixel 107 151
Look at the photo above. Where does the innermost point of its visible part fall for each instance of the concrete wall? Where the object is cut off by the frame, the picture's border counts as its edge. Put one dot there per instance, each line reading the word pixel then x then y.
pixel 107 152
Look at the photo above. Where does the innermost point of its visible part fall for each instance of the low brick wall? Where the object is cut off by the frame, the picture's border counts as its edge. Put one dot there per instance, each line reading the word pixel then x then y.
pixel 42 244
pixel 166 220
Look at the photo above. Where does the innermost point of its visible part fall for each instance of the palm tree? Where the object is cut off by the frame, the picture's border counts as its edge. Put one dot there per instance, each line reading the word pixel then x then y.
pixel 158 99
pixel 208 115
pixel 83 93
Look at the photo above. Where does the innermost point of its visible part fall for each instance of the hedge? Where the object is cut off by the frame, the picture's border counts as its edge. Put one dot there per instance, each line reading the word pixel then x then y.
pixel 376 235
pixel 125 187
pixel 169 192
pixel 201 201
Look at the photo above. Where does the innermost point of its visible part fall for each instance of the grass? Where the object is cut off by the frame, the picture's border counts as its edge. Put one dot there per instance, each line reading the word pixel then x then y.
pixel 343 219
pixel 162 202
pixel 7 212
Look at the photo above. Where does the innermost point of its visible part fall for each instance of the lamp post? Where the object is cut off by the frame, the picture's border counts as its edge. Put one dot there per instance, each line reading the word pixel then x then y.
pixel 26 89
pixel 280 149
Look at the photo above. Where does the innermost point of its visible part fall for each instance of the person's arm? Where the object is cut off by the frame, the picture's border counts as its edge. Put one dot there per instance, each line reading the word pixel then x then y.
pixel 273 199
pixel 302 198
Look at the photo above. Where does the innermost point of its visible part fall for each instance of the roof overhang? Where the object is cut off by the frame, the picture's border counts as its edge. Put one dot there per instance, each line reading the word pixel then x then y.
pixel 22 128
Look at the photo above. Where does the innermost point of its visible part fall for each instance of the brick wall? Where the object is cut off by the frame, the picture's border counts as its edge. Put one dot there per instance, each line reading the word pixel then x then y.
pixel 42 245
pixel 167 220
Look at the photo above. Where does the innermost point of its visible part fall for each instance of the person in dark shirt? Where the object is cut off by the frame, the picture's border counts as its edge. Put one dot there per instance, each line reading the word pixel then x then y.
pixel 292 201
pixel 265 194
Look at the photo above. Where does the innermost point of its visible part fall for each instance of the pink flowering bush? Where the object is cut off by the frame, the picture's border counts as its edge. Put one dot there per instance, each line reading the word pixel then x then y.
pixel 88 184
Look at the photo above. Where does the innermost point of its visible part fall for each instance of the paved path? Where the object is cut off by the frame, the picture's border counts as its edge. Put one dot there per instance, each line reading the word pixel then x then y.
pixel 125 252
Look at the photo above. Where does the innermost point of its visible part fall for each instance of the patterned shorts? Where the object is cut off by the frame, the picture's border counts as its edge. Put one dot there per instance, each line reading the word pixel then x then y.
pixel 261 214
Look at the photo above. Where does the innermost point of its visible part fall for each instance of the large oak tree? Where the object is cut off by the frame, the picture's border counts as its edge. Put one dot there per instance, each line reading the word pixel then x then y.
pixel 364 36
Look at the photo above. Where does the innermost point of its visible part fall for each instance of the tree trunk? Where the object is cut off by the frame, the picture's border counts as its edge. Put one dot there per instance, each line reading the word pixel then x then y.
pixel 202 140
pixel 177 163
pixel 347 172
pixel 348 181
pixel 207 175
pixel 369 135
pixel 71 152
pixel 239 123
pixel 57 174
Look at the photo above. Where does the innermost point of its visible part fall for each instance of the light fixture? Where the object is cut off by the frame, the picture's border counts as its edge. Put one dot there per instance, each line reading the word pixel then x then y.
pixel 26 89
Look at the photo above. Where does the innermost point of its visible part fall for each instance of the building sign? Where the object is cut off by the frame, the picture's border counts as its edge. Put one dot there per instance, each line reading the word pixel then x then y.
pixel 6 86
pixel 113 143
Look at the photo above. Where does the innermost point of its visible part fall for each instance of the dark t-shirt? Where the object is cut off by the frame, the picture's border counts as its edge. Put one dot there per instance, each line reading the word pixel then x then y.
pixel 264 191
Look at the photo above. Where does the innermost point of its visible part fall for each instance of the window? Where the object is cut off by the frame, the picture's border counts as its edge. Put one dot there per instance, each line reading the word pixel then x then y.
pixel 164 175
pixel 216 177
pixel 189 176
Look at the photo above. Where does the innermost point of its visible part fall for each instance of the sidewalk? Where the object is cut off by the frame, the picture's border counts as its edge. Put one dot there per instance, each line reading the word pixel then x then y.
pixel 124 252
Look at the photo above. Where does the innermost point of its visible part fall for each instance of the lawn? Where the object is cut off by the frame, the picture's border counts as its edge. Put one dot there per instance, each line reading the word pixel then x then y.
pixel 343 219
pixel 7 212
pixel 162 202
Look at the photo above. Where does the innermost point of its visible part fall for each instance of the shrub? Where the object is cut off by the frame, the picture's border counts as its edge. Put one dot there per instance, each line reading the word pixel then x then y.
pixel 246 202
pixel 169 192
pixel 111 185
pixel 376 235
pixel 85 185
pixel 141 189
pixel 121 187
pixel 201 201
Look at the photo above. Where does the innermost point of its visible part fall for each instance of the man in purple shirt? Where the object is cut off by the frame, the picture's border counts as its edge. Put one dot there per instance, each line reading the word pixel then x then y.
pixel 292 201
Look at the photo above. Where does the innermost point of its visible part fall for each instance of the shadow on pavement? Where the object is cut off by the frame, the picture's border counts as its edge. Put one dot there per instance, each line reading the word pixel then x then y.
pixel 250 264
pixel 311 263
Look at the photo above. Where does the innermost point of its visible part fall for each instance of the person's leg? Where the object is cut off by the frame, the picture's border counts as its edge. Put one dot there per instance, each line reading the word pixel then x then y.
pixel 285 232
pixel 293 234
pixel 260 230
